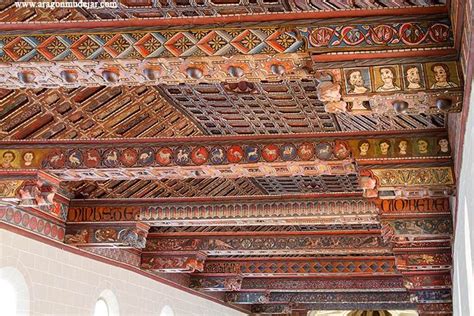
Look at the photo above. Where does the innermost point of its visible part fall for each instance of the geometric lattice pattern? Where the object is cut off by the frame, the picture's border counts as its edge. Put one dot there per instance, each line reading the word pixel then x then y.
pixel 101 112
pixel 315 184
pixel 186 8
pixel 279 108
pixel 163 188
pixel 270 108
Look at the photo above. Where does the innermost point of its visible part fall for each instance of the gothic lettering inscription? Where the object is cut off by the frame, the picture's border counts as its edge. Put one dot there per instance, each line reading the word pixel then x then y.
pixel 415 206
pixel 103 214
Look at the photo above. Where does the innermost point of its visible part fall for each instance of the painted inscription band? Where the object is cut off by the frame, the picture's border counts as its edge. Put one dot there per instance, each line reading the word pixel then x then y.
pixel 415 205
pixel 103 214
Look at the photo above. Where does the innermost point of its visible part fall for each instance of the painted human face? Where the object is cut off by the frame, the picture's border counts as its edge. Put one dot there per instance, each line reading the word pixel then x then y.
pixel 413 75
pixel 364 148
pixel 8 158
pixel 384 148
pixel 28 157
pixel 443 145
pixel 403 146
pixel 440 74
pixel 422 146
pixel 355 79
pixel 387 75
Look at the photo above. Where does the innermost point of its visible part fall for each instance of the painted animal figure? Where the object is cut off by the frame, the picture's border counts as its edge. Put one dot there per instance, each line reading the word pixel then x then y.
pixel 237 154
pixel 165 155
pixel 270 152
pixel 144 156
pixel 252 153
pixel 91 158
pixel 200 156
pixel 182 156
pixel 128 157
pixel 74 160
pixel 56 158
pixel 288 151
pixel 305 151
pixel 112 156
pixel 218 154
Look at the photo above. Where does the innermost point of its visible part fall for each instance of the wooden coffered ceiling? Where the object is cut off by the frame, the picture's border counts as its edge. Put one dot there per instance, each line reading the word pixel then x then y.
pixel 275 156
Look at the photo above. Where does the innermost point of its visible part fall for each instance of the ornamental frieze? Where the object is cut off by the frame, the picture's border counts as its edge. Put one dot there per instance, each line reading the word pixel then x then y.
pixel 62 46
pixel 311 266
pixel 431 176
pixel 426 226
pixel 32 222
pixel 269 245
pixel 322 285
pixel 427 281
pixel 258 151
pixel 301 297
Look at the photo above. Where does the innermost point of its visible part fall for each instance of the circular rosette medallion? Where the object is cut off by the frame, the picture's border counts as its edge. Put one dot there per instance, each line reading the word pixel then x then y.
pixel 217 155
pixel 164 156
pixel 341 150
pixel 182 155
pixel 57 159
pixel 288 152
pixel 306 151
pixel 235 154
pixel 145 157
pixel 74 158
pixel 252 153
pixel 270 152
pixel 92 158
pixel 111 158
pixel 324 151
pixel 129 157
pixel 199 155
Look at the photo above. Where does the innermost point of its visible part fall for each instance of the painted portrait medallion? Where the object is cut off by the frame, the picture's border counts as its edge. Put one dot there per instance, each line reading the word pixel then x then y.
pixel 182 156
pixel 28 159
pixel 403 148
pixel 341 150
pixel 129 157
pixel 414 77
pixel 252 153
pixel 92 158
pixel 442 75
pixel 199 155
pixel 217 155
pixel 288 152
pixel 306 151
pixel 235 154
pixel 357 80
pixel 145 156
pixel 270 152
pixel 443 146
pixel 386 78
pixel 422 146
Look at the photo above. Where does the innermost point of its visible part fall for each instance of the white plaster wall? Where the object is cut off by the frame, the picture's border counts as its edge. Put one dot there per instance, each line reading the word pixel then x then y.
pixel 63 283
pixel 463 279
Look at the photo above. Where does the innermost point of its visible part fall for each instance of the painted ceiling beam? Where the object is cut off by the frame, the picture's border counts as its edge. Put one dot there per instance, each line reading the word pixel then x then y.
pixel 285 309
pixel 224 19
pixel 302 284
pixel 265 267
pixel 315 298
pixel 241 211
pixel 301 243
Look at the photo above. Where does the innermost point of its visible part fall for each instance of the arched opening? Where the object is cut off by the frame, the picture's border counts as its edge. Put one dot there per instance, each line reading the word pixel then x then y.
pixel 167 311
pixel 14 293
pixel 106 304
